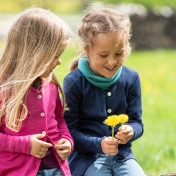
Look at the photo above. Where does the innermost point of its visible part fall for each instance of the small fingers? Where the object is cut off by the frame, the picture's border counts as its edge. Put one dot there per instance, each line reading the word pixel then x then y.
pixel 42 152
pixel 121 141
pixel 41 155
pixel 46 145
pixel 112 152
pixel 63 154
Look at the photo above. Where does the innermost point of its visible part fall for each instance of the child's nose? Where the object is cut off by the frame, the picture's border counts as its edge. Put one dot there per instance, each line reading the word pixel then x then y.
pixel 59 61
pixel 112 60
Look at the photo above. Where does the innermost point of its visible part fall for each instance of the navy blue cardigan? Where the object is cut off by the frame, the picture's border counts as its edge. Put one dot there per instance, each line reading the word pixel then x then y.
pixel 87 110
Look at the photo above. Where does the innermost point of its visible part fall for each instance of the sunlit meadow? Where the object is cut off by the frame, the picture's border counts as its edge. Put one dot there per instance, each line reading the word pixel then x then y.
pixel 156 149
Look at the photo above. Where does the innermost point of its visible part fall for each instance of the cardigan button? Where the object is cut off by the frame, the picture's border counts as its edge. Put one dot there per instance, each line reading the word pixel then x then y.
pixel 39 96
pixel 42 114
pixel 109 110
pixel 109 94
pixel 44 132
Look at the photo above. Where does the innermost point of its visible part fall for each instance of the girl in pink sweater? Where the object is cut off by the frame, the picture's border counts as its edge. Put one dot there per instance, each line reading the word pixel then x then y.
pixel 34 138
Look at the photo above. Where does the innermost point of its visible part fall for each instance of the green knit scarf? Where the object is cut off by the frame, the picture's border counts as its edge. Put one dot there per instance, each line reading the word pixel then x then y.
pixel 97 81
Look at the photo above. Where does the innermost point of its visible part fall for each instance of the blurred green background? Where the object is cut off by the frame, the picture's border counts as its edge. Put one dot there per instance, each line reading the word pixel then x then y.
pixel 72 6
pixel 156 149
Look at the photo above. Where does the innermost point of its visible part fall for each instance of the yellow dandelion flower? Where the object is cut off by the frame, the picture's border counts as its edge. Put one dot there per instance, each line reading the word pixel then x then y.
pixel 112 120
pixel 123 118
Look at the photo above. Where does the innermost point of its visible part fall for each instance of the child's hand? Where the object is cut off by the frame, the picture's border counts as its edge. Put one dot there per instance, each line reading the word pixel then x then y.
pixel 63 148
pixel 109 146
pixel 124 134
pixel 38 147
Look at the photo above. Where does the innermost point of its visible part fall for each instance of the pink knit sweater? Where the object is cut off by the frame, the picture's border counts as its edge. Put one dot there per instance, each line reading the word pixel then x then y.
pixel 45 115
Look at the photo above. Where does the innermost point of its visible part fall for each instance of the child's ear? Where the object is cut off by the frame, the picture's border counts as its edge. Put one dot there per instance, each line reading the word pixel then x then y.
pixel 85 49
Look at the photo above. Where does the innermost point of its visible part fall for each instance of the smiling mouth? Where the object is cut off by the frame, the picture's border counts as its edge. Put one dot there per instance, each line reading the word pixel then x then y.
pixel 110 68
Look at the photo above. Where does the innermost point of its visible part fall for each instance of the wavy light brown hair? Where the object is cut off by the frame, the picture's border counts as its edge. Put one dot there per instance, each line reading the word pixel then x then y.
pixel 31 46
pixel 104 20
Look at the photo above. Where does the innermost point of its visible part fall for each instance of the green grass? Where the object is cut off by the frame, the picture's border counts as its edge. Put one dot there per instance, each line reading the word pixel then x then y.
pixel 156 149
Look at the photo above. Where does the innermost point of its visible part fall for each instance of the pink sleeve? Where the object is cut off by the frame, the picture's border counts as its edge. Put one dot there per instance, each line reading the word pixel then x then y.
pixel 18 144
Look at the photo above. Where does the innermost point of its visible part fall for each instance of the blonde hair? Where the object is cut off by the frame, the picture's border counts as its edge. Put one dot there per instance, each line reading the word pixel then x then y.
pixel 31 46
pixel 103 20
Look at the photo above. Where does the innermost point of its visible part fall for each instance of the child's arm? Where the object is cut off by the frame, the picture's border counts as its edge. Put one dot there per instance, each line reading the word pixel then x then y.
pixel 134 127
pixel 82 142
pixel 24 144
pixel 62 126
pixel 16 144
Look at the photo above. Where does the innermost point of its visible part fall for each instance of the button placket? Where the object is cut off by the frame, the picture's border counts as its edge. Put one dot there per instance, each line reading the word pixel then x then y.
pixel 109 110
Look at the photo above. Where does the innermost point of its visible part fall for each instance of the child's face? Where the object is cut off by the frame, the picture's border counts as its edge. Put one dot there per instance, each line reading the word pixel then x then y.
pixel 54 64
pixel 107 54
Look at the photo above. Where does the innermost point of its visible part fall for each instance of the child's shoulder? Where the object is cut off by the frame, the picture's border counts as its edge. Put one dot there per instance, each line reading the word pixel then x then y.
pixel 129 75
pixel 74 75
pixel 74 78
pixel 129 71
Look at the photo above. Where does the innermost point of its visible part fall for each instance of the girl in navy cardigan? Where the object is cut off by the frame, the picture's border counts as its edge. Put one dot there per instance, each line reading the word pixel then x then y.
pixel 98 86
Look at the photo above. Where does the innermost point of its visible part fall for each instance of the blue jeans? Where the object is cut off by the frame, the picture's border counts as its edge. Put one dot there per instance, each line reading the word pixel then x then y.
pixel 109 166
pixel 50 172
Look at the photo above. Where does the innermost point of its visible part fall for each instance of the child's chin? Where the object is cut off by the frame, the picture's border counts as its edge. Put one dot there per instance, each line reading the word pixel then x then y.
pixel 108 76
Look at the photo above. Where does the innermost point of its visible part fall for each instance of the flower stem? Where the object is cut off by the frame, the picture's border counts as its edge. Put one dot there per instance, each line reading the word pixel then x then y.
pixel 112 132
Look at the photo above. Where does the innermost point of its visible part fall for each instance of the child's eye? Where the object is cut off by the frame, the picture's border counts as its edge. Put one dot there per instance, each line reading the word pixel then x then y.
pixel 118 54
pixel 103 55
pixel 56 57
